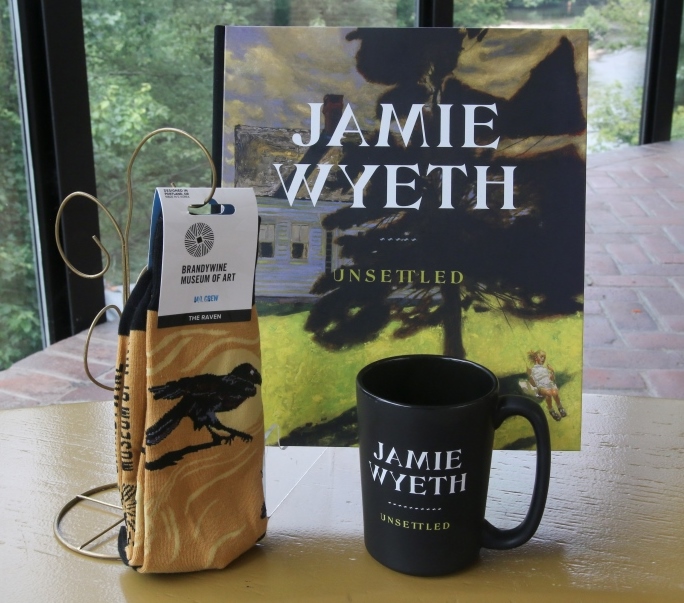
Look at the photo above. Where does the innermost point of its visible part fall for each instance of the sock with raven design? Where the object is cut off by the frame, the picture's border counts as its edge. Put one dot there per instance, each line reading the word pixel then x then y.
pixel 199 490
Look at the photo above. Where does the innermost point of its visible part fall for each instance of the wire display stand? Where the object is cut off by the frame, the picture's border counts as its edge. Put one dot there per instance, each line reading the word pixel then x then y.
pixel 123 234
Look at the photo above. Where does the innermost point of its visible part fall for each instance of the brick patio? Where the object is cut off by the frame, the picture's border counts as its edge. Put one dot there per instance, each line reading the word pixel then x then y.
pixel 634 312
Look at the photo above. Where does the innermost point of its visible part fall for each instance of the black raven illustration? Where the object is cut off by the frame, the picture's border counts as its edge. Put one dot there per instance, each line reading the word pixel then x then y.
pixel 201 397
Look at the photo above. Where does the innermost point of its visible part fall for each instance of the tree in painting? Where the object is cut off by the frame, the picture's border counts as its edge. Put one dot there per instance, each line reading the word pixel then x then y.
pixel 521 261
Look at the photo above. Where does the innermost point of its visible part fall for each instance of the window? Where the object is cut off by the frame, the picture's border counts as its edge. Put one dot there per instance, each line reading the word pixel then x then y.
pixel 56 134
pixel 20 323
pixel 267 240
pixel 299 241
pixel 328 251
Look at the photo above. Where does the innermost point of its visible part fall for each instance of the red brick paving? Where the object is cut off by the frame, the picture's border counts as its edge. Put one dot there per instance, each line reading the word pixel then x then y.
pixel 634 315
pixel 634 320
pixel 611 380
pixel 56 375
pixel 666 384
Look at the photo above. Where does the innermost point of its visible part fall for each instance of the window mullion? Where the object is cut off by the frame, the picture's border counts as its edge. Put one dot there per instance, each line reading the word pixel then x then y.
pixel 661 71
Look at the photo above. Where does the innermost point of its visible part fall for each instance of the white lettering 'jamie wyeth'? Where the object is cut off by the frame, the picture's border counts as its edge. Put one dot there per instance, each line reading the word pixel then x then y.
pixel 348 124
pixel 441 460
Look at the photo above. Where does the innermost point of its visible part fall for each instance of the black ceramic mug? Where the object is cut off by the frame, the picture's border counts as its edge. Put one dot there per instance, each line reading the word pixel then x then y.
pixel 426 432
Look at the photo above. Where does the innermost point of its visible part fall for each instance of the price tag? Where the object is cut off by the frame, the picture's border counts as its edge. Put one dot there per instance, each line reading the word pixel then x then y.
pixel 209 260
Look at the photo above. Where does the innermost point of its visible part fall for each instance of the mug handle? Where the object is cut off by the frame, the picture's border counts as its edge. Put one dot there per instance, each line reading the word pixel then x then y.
pixel 509 406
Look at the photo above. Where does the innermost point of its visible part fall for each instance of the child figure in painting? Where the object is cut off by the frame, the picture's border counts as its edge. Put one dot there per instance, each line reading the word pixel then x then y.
pixel 543 378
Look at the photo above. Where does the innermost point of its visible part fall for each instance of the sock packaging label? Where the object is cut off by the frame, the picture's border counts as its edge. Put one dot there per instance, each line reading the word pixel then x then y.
pixel 208 260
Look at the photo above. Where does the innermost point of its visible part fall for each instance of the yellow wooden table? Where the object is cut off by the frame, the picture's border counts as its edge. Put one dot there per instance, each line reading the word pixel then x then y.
pixel 613 528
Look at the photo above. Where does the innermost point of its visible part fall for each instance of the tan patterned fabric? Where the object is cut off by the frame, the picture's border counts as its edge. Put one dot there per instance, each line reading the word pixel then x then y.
pixel 130 394
pixel 207 507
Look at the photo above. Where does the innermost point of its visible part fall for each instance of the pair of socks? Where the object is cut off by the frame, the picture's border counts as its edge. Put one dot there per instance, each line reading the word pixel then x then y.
pixel 190 441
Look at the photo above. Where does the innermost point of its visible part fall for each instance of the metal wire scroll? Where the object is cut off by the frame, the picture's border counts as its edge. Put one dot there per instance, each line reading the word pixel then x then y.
pixel 122 234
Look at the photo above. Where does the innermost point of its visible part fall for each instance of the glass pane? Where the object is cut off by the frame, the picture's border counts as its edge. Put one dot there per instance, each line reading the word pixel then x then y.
pixel 618 33
pixel 150 64
pixel 19 316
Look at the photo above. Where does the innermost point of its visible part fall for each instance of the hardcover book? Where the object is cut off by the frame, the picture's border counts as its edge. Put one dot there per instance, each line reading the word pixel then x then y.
pixel 420 191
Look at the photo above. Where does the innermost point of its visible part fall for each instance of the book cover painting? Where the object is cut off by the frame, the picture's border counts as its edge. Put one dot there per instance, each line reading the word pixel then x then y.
pixel 420 191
